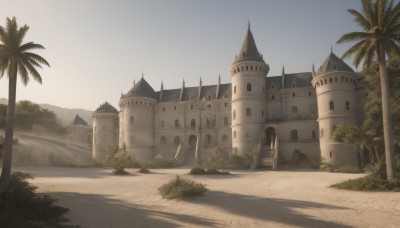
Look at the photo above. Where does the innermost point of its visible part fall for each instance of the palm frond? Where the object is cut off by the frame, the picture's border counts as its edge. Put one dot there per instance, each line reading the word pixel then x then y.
pixel 37 58
pixel 36 76
pixel 23 73
pixel 368 10
pixel 29 46
pixel 21 35
pixel 353 36
pixel 352 50
pixel 360 19
pixel 392 19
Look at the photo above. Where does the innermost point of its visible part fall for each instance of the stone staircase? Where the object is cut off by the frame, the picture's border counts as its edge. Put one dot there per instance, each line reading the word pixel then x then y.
pixel 265 160
pixel 189 159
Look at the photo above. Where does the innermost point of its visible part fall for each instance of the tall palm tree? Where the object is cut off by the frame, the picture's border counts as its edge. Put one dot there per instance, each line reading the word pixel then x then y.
pixel 380 22
pixel 16 59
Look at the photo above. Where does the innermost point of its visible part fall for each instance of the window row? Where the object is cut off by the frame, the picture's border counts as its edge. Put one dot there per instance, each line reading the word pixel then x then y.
pixel 248 88
pixel 248 68
pixel 207 140
pixel 248 113
pixel 335 79
pixel 332 105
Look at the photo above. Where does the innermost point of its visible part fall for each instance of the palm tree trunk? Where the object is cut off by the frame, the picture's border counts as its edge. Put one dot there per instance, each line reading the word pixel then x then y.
pixel 9 134
pixel 386 114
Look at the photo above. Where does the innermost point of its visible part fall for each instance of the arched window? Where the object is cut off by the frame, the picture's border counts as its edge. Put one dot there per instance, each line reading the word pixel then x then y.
pixel 225 121
pixel 163 140
pixel 234 114
pixel 347 105
pixel 331 105
pixel 322 133
pixel 248 112
pixel 224 139
pixel 293 94
pixel 207 140
pixel 176 123
pixel 248 86
pixel 294 109
pixel 293 135
pixel 193 123
pixel 177 140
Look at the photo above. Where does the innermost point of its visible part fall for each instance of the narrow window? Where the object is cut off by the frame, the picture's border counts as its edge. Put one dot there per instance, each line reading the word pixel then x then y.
pixel 226 105
pixel 234 134
pixel 347 105
pixel 313 136
pixel 247 68
pixel 322 133
pixel 163 140
pixel 293 94
pixel 330 154
pixel 176 123
pixel 309 94
pixel 251 68
pixel 331 105
pixel 174 107
pixel 193 123
pixel 163 109
pixel 248 112
pixel 294 85
pixel 225 121
pixel 234 114
pixel 273 97
pixel 131 120
pixel 294 109
pixel 330 80
pixel 208 139
pixel 177 140
pixel 248 86
pixel 293 135
pixel 162 123
pixel 234 89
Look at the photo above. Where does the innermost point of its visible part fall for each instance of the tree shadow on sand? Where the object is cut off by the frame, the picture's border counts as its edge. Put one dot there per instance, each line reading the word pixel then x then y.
pixel 103 211
pixel 283 211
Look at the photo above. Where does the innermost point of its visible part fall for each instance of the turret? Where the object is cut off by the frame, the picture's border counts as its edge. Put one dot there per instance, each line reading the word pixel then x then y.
pixel 137 121
pixel 248 95
pixel 105 130
pixel 336 97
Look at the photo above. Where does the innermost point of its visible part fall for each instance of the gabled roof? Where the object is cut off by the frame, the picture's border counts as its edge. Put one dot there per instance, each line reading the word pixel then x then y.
pixel 106 108
pixel 142 89
pixel 79 121
pixel 333 63
pixel 249 49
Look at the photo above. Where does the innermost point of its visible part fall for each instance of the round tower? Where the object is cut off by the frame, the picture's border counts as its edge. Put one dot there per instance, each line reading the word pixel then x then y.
pixel 105 130
pixel 336 98
pixel 136 135
pixel 248 95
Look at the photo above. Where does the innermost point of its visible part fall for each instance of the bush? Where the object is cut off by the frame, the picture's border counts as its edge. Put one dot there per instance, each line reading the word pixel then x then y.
pixel 324 166
pixel 120 171
pixel 202 171
pixel 23 207
pixel 143 170
pixel 181 188
pixel 372 182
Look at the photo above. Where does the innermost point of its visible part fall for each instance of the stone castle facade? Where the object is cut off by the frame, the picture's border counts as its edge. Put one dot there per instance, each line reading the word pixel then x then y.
pixel 293 114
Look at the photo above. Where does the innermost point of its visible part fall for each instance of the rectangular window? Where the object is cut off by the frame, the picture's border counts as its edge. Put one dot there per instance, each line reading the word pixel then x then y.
pixel 193 123
pixel 225 121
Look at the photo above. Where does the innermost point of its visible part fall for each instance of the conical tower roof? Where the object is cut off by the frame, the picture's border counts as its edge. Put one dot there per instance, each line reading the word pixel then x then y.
pixel 79 121
pixel 106 108
pixel 249 49
pixel 333 63
pixel 142 89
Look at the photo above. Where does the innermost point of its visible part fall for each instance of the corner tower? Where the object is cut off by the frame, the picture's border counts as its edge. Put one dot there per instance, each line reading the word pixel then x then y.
pixel 336 96
pixel 136 133
pixel 105 130
pixel 248 95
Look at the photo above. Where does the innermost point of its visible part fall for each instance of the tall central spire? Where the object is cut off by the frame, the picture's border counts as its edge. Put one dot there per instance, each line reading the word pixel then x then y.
pixel 249 49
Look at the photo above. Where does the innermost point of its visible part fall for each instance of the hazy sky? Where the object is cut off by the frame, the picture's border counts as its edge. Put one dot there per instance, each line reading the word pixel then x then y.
pixel 97 47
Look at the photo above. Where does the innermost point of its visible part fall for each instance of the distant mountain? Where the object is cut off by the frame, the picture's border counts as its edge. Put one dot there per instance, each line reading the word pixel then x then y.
pixel 66 115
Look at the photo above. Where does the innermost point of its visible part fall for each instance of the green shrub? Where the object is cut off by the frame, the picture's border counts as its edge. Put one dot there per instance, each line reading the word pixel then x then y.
pixel 372 182
pixel 181 188
pixel 324 166
pixel 143 170
pixel 23 207
pixel 202 171
pixel 120 171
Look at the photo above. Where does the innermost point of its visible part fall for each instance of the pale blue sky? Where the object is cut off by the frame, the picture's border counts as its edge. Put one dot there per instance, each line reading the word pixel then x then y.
pixel 97 47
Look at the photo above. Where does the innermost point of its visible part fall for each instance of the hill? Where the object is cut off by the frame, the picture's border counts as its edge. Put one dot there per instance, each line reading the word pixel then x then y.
pixel 66 115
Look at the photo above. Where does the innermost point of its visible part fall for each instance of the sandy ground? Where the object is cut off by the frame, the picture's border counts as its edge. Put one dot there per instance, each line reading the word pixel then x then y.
pixel 244 199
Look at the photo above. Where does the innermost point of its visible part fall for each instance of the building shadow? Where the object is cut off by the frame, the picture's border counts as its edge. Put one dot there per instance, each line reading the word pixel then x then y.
pixel 91 210
pixel 282 211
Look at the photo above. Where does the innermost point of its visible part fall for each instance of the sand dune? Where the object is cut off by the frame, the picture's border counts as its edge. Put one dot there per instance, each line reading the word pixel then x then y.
pixel 245 199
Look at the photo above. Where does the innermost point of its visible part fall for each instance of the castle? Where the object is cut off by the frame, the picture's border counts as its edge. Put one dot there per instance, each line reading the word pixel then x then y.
pixel 293 114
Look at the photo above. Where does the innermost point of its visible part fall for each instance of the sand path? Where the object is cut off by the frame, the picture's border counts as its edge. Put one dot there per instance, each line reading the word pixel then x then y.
pixel 245 199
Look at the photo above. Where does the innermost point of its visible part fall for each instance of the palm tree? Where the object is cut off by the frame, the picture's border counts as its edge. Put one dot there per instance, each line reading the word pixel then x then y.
pixel 15 58
pixel 380 22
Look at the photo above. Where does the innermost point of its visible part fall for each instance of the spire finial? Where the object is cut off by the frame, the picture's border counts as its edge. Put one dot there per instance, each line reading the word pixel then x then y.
pixel 142 74
pixel 134 82
pixel 183 82
pixel 248 27
pixel 219 78
pixel 283 69
pixel 331 48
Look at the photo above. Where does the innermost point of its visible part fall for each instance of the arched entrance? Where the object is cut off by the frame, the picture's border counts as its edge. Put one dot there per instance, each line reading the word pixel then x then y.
pixel 269 136
pixel 190 153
